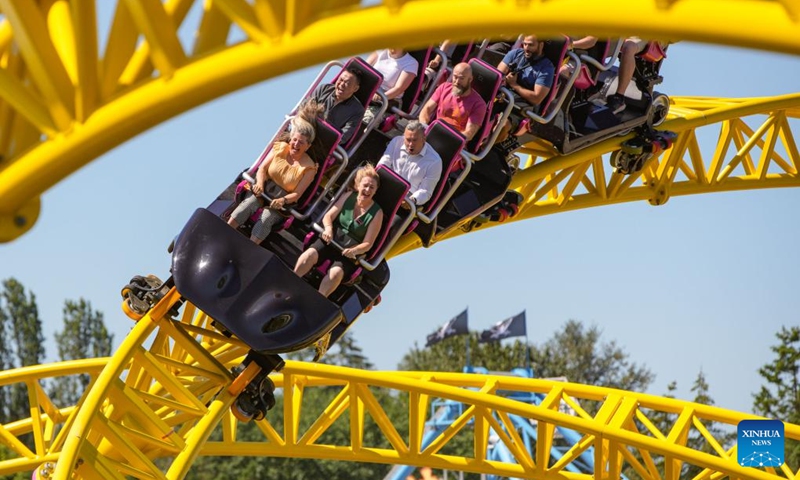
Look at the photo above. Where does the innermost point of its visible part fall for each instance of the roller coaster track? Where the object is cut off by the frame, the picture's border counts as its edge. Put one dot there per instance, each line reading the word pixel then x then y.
pixel 62 103
pixel 168 387
pixel 165 400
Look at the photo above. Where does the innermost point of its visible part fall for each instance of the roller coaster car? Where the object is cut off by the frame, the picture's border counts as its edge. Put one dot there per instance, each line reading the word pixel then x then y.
pixel 577 116
pixel 252 292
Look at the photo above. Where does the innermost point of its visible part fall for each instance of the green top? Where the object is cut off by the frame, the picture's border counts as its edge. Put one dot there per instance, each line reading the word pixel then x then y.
pixel 356 228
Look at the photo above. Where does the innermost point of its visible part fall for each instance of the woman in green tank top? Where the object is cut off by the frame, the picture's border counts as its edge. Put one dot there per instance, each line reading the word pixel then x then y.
pixel 357 220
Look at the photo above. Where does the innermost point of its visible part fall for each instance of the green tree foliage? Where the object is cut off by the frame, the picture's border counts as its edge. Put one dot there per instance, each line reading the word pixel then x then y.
pixel 7 454
pixel 84 336
pixel 22 345
pixel 450 355
pixel 22 316
pixel 577 353
pixel 21 309
pixel 6 363
pixel 779 398
pixel 726 437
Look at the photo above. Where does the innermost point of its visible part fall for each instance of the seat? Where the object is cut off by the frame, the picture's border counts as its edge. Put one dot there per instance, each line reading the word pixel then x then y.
pixel 448 143
pixel 486 80
pixel 648 65
pixel 596 59
pixel 419 91
pixel 324 147
pixel 462 52
pixel 555 50
pixel 653 52
pixel 391 194
pixel 414 91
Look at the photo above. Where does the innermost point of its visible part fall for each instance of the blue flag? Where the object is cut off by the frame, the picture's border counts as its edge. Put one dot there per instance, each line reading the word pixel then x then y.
pixel 510 327
pixel 455 326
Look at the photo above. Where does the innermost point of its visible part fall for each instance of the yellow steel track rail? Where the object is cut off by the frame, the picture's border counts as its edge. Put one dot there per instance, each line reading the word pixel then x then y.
pixel 62 104
pixel 34 441
pixel 165 401
pixel 744 158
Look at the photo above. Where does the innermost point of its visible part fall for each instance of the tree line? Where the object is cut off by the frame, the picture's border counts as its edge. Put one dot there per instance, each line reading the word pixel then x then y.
pixel 577 352
pixel 83 335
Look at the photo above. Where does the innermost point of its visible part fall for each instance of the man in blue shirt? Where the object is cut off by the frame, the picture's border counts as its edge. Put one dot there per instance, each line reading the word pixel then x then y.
pixel 530 76
pixel 528 73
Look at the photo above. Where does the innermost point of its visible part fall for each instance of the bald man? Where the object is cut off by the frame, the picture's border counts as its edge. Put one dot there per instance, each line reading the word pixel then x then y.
pixel 457 103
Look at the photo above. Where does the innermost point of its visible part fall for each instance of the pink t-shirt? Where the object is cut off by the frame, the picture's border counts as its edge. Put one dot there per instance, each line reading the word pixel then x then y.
pixel 457 111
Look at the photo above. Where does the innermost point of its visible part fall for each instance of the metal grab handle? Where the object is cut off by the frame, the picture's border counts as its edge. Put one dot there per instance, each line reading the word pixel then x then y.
pixel 428 218
pixel 528 110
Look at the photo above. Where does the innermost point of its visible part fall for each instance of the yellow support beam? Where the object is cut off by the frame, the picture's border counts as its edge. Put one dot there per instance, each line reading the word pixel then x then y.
pixel 161 33
pixel 43 63
pixel 116 434
pixel 93 104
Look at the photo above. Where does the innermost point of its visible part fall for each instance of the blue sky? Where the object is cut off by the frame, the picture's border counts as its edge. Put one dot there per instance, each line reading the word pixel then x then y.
pixel 703 282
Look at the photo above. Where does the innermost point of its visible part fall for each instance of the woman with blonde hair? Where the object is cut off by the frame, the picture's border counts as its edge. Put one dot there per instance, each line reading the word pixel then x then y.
pixel 354 221
pixel 284 175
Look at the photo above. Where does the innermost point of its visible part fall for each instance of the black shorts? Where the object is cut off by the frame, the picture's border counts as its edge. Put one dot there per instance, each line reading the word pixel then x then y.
pixel 327 251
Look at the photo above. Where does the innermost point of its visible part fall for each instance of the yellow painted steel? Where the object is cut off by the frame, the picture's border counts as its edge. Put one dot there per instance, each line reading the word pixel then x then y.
pixel 165 400
pixel 62 105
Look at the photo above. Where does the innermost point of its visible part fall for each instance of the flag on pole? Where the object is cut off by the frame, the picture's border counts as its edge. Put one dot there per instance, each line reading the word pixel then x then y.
pixel 510 327
pixel 455 326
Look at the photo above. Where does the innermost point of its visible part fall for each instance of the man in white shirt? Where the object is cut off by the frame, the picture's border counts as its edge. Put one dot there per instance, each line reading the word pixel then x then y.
pixel 411 157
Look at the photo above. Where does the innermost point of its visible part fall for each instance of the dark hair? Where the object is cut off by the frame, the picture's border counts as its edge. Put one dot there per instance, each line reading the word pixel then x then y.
pixel 356 73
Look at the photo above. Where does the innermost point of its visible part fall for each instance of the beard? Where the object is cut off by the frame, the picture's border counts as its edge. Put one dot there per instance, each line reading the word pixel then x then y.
pixel 459 90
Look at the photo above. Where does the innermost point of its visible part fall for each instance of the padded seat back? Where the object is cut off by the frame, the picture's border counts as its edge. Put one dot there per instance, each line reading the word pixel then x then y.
pixel 414 90
pixel 325 142
pixel 390 195
pixel 555 50
pixel 486 81
pixel 448 143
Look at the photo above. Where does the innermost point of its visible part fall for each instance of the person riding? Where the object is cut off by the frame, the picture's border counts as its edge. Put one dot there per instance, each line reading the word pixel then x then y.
pixel 529 74
pixel 457 103
pixel 414 159
pixel 285 175
pixel 354 221
pixel 340 107
pixel 399 69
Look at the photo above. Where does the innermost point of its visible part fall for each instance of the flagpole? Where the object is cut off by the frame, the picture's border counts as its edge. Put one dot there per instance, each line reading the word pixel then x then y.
pixel 467 352
pixel 469 361
pixel 527 348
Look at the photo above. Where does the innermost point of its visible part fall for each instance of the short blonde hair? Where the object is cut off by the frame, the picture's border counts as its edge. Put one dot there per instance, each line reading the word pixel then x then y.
pixel 304 128
pixel 368 171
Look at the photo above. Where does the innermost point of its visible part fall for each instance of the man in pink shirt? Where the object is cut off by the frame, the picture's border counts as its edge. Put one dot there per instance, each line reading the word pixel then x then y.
pixel 457 103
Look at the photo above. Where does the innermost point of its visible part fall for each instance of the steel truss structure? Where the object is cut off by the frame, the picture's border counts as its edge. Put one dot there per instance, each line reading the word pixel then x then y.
pixel 165 400
pixel 69 92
